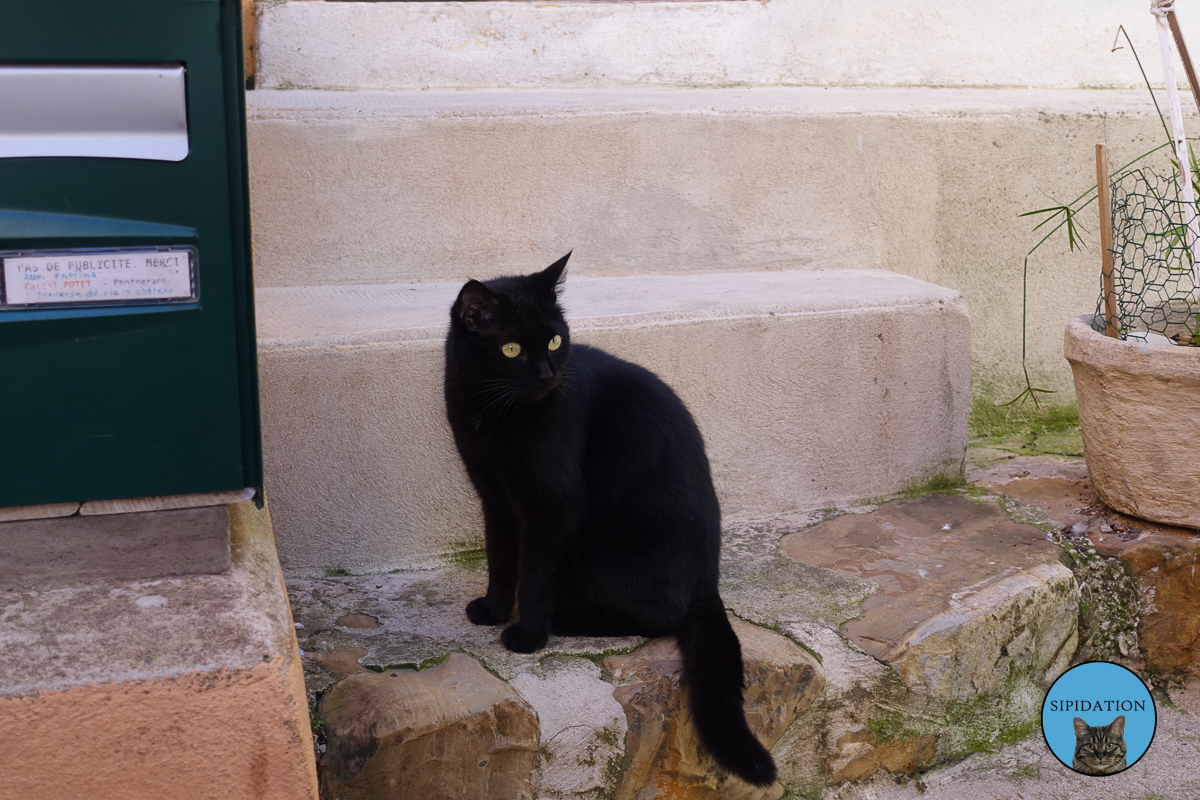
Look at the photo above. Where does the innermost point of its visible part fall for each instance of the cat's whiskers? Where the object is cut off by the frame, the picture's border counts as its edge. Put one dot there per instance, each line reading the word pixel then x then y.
pixel 503 398
pixel 481 386
pixel 504 412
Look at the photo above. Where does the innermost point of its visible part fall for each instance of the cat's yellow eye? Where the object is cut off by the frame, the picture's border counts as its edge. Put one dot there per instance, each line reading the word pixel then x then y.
pixel 556 342
pixel 512 349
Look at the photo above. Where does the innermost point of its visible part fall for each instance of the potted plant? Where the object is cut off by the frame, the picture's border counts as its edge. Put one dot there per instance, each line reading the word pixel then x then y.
pixel 1136 359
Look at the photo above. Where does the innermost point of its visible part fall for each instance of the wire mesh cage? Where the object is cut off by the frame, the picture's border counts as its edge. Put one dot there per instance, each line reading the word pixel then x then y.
pixel 1154 283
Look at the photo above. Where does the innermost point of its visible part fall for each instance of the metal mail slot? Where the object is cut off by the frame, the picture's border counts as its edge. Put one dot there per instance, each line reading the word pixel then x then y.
pixel 137 112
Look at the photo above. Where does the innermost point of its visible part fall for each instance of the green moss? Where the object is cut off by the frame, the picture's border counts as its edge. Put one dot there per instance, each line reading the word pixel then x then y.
pixel 989 420
pixel 939 484
pixel 614 771
pixel 892 726
pixel 474 560
pixel 1108 605
pixel 1027 515
pixel 336 572
pixel 942 484
pixel 426 664
pixel 598 658
pixel 609 736
pixel 1007 735
pixel 985 724
pixel 981 724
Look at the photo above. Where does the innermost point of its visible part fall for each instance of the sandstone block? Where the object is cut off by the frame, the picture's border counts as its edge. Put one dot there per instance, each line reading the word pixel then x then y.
pixel 863 753
pixel 1163 616
pixel 454 731
pixel 968 596
pixel 663 757
pixel 1164 568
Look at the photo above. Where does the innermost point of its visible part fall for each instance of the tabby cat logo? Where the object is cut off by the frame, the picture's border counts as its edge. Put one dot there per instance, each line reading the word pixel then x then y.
pixel 1098 718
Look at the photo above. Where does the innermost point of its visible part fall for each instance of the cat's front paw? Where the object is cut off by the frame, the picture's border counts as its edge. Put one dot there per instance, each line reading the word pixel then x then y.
pixel 523 640
pixel 481 611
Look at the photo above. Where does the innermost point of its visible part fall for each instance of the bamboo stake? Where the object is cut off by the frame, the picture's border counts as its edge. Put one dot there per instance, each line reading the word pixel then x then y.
pixel 1104 192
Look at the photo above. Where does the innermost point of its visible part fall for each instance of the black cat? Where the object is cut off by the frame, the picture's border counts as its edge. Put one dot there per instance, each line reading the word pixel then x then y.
pixel 599 509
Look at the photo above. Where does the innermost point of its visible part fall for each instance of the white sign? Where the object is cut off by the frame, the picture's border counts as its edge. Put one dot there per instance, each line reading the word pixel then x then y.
pixel 127 276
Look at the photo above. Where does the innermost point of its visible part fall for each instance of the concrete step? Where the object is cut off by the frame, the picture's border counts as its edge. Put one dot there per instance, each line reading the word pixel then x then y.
pixel 389 186
pixel 399 45
pixel 137 662
pixel 812 389
pixel 850 670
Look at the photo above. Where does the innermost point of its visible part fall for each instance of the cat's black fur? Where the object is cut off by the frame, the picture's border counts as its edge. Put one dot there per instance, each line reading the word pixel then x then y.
pixel 1099 749
pixel 599 509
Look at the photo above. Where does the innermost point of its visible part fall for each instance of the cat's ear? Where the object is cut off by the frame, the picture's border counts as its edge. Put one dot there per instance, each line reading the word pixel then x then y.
pixel 1081 728
pixel 476 307
pixel 1117 727
pixel 552 277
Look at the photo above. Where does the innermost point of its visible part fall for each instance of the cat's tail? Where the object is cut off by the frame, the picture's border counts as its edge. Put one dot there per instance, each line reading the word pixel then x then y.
pixel 712 673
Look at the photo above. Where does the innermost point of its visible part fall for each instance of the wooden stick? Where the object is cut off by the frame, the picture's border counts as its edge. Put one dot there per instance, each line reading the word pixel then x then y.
pixel 1177 34
pixel 1104 192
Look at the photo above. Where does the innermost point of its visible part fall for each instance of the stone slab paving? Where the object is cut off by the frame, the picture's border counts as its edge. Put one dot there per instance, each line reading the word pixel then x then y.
pixel 938 621
pixel 966 595
pixel 358 631
pixel 1162 629
pixel 880 641
pixel 1115 555
pixel 879 665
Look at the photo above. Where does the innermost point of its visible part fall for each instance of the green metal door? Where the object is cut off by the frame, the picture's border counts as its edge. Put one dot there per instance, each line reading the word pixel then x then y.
pixel 104 397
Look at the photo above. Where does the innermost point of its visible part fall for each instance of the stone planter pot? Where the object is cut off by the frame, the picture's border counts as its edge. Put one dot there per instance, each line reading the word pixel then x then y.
pixel 1139 409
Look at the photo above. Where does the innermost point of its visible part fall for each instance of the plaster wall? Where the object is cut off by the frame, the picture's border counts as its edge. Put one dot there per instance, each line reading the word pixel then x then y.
pixel 777 42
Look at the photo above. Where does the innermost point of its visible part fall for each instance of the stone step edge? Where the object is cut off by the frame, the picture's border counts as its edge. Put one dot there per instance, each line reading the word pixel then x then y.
pixel 291 317
pixel 811 101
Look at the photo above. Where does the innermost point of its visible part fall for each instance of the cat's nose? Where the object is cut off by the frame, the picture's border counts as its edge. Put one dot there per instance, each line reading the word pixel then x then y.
pixel 545 371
